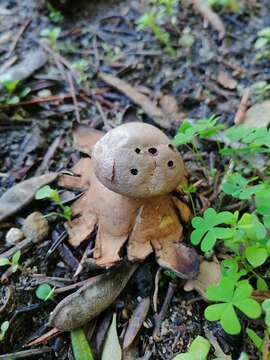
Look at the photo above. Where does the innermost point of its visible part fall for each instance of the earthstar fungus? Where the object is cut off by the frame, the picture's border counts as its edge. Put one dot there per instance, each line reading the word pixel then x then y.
pixel 131 173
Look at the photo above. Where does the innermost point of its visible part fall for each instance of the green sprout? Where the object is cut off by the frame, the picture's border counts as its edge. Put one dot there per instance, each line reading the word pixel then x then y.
pixel 262 44
pixel 45 292
pixel 55 15
pixel 46 192
pixel 198 350
pixel 14 262
pixel 50 35
pixel 225 5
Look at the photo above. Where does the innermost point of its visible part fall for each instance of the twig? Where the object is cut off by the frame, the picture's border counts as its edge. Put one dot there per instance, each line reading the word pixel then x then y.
pixel 48 156
pixel 38 100
pixel 161 315
pixel 265 351
pixel 240 114
pixel 74 98
pixel 155 295
pixel 17 37
pixel 25 353
pixel 45 337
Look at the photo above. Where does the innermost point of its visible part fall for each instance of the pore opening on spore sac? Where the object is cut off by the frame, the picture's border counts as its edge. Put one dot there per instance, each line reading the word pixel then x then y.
pixel 134 171
pixel 152 150
pixel 170 163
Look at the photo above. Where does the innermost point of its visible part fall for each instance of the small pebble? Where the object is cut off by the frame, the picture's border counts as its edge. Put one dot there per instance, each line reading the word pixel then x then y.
pixel 44 93
pixel 36 227
pixel 14 236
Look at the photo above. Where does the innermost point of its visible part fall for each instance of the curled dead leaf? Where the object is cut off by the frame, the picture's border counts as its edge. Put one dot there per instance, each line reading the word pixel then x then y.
pixel 90 300
pixel 85 138
pixel 136 321
pixel 209 275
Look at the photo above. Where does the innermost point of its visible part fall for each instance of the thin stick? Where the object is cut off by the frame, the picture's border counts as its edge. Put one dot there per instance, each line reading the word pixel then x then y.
pixel 74 98
pixel 240 114
pixel 18 36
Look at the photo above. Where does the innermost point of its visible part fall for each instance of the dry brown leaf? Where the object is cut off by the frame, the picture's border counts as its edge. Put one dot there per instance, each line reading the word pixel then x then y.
pixel 79 177
pixel 226 81
pixel 20 195
pixel 90 300
pixel 258 115
pixel 85 138
pixel 138 98
pixel 209 15
pixel 209 275
pixel 136 321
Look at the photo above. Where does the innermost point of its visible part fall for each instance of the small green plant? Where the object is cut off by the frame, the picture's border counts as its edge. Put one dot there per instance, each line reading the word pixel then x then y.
pixel 3 329
pixel 46 192
pixel 262 44
pixel 198 350
pixel 14 262
pixel 207 230
pixel 231 294
pixel 45 292
pixel 225 5
pixel 55 15
pixel 203 128
pixel 239 187
pixel 111 53
pixel 261 88
pixel 13 96
pixel 50 35
pixel 154 20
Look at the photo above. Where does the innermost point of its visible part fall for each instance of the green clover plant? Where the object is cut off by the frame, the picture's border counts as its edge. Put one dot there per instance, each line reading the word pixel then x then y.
pixel 14 262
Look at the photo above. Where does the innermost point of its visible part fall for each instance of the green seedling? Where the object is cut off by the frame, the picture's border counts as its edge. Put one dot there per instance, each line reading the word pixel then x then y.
pixel 14 262
pixel 266 309
pixel 251 140
pixel 55 15
pixel 262 44
pixel 50 35
pixel 261 88
pixel 256 339
pixel 231 294
pixel 13 96
pixel 207 231
pixel 203 128
pixel 111 53
pixel 3 329
pixel 198 350
pixel 45 292
pixel 262 201
pixel 154 20
pixel 46 192
pixel 225 5
pixel 239 187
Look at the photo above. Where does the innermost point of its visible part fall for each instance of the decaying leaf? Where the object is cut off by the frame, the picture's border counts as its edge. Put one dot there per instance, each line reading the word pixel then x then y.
pixel 158 116
pixel 209 275
pixel 79 178
pixel 20 195
pixel 33 61
pixel 128 200
pixel 209 15
pixel 85 138
pixel 136 322
pixel 226 81
pixel 90 300
pixel 112 348
pixel 258 115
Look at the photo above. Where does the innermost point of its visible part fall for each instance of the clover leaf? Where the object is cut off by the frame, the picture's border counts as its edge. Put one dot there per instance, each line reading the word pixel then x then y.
pixel 237 186
pixel 206 230
pixel 231 295
pixel 198 350
pixel 262 202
